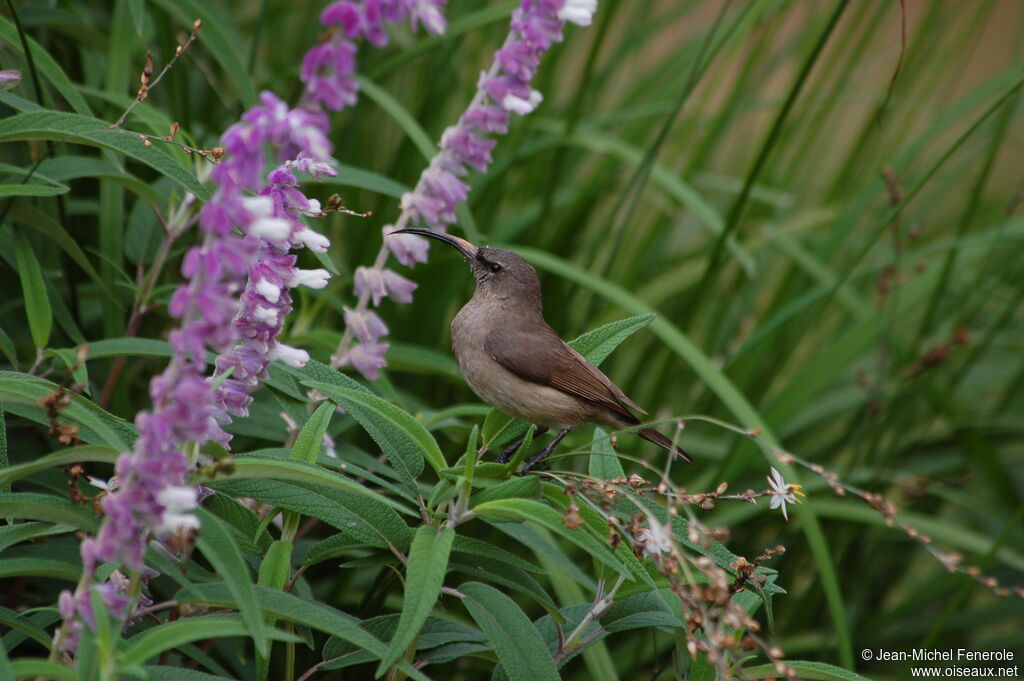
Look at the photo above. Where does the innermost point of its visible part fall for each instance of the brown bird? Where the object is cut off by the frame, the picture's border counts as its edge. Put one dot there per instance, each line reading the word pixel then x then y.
pixel 514 361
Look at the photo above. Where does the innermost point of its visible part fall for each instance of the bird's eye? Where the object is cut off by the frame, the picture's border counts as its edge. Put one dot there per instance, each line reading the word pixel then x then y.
pixel 495 267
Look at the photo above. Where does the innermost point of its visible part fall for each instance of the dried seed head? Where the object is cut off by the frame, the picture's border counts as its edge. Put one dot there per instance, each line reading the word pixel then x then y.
pixel 572 517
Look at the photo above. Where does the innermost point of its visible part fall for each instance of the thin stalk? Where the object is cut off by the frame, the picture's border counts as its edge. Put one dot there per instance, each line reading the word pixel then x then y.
pixel 140 307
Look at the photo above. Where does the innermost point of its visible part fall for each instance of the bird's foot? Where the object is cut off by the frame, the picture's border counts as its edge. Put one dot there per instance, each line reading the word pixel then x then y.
pixel 506 454
pixel 532 462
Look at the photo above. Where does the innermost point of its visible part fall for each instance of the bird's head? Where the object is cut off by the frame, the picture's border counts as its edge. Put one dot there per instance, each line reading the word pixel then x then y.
pixel 497 272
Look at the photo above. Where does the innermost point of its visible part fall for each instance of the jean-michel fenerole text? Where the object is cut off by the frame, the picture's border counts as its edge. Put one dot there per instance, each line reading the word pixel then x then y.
pixel 949 655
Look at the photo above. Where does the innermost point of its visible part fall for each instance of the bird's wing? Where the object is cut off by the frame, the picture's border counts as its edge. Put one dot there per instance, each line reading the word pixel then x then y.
pixel 540 356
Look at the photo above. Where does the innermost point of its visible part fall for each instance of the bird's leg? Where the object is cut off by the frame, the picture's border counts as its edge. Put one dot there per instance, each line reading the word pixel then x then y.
pixel 507 453
pixel 544 453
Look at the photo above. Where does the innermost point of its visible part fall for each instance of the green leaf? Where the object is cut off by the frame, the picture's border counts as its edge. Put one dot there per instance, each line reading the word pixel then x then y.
pixel 273 574
pixel 526 487
pixel 403 439
pixel 502 574
pixel 5 462
pixel 598 344
pixel 641 611
pixel 334 546
pixel 428 562
pixel 291 608
pixel 19 189
pixel 21 623
pixel 307 444
pixel 216 544
pixel 521 650
pixel 69 167
pixel 170 635
pixel 604 464
pixel 542 514
pixel 7 347
pixel 301 472
pixel 670 182
pixel 48 508
pixel 40 567
pixel 90 453
pixel 275 566
pixel 358 517
pixel 469 548
pixel 33 289
pixel 15 534
pixel 351 176
pixel 53 231
pixel 806 670
pixel 434 632
pixel 318 371
pixel 598 525
pixel 77 129
pixel 26 391
pixel 169 673
pixel 27 667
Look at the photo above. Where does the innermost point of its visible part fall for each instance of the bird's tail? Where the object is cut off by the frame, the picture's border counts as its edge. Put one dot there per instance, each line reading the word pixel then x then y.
pixel 651 435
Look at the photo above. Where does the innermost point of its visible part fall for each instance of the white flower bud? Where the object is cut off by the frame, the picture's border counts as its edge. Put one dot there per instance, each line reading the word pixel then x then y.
pixel 272 229
pixel 317 278
pixel 293 357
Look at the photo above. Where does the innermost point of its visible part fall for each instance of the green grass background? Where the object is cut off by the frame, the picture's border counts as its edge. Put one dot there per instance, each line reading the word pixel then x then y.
pixel 826 220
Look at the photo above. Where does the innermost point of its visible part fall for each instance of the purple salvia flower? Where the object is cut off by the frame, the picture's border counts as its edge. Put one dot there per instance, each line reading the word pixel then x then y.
pixel 368 358
pixel 408 249
pixel 366 326
pixel 380 283
pixel 328 69
pixel 504 89
pixel 234 302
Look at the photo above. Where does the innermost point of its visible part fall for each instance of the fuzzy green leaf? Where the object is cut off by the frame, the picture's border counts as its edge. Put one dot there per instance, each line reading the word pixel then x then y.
pixel 428 562
pixel 33 290
pixel 313 614
pixel 366 520
pixel 542 514
pixel 521 650
pixel 403 439
pixel 216 544
pixel 170 635
pixel 307 444
pixel 78 129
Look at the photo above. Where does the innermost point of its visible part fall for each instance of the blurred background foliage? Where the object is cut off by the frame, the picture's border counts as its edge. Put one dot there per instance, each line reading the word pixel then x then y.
pixel 826 220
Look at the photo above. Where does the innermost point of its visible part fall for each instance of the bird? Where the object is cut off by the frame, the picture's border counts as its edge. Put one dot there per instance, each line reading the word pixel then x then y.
pixel 513 360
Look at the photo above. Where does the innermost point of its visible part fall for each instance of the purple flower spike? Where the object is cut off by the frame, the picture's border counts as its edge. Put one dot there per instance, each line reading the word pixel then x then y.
pixel 328 69
pixel 503 90
pixel 381 283
pixel 408 249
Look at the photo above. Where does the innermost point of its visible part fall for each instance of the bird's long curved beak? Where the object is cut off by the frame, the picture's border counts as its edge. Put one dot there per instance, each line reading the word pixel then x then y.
pixel 464 247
